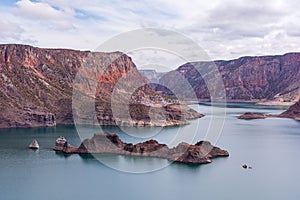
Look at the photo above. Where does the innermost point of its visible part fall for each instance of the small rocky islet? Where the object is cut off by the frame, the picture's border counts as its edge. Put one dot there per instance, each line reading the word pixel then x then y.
pixel 107 143
pixel 292 113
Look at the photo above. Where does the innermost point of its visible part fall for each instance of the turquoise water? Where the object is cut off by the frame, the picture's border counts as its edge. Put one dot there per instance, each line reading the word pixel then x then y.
pixel 270 146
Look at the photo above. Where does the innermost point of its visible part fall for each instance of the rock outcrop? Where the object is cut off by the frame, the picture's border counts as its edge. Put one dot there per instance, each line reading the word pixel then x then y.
pixel 259 78
pixel 28 116
pixel 37 86
pixel 293 113
pixel 107 143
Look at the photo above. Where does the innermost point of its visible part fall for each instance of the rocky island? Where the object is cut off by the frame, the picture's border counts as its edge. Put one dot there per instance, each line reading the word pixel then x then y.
pixel 106 143
pixel 250 115
pixel 293 113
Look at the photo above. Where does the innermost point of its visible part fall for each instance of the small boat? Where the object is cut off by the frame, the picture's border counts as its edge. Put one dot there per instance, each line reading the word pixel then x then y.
pixel 34 145
pixel 61 140
pixel 60 143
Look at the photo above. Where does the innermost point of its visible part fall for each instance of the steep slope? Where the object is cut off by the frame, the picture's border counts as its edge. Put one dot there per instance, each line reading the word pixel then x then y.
pixel 248 78
pixel 293 112
pixel 37 84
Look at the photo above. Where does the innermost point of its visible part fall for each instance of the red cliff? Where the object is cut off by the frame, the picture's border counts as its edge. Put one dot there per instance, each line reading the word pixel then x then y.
pixel 37 84
pixel 248 78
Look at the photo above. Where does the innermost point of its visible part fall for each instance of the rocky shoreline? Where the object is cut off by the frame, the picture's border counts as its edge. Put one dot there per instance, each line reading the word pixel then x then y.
pixel 106 143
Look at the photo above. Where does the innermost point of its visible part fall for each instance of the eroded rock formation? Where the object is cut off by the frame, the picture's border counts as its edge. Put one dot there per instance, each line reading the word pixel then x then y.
pixel 293 112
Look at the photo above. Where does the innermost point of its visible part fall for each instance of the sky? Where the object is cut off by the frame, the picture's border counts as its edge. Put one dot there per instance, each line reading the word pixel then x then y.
pixel 225 29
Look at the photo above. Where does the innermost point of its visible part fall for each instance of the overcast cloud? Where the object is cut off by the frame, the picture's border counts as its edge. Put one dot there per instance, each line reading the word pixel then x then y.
pixel 226 29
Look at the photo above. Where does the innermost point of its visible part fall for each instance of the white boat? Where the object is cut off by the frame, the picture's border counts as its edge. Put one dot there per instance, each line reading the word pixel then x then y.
pixel 61 140
pixel 34 145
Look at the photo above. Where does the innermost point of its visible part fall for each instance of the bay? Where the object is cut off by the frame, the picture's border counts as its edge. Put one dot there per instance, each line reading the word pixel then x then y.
pixel 270 146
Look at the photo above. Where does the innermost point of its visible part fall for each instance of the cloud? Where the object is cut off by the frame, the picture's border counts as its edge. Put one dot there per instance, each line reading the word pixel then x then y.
pixel 10 30
pixel 43 13
pixel 235 29
pixel 253 19
pixel 224 28
pixel 39 11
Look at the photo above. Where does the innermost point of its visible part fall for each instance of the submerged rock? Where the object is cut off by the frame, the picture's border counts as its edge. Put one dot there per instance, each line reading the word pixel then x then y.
pixel 245 166
pixel 101 143
pixel 34 145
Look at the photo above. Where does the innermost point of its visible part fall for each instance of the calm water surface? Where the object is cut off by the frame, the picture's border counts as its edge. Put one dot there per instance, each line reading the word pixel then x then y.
pixel 270 146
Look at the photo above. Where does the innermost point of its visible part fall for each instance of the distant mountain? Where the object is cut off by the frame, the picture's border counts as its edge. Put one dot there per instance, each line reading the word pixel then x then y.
pixel 36 87
pixel 152 75
pixel 259 78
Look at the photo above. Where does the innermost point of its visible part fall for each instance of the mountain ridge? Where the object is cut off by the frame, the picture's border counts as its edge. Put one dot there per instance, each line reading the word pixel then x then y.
pixel 251 78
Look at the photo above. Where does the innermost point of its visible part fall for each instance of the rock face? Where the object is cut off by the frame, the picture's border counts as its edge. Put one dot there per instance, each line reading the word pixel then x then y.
pixel 28 116
pixel 107 143
pixel 261 78
pixel 37 84
pixel 293 112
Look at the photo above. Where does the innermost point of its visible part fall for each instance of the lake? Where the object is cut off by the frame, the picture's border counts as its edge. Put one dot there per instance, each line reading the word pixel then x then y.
pixel 270 146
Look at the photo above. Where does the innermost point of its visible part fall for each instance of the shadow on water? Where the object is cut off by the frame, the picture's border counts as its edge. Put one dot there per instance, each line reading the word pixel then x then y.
pixel 126 161
pixel 33 150
pixel 90 159
pixel 62 155
pixel 187 166
pixel 87 157
pixel 137 161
